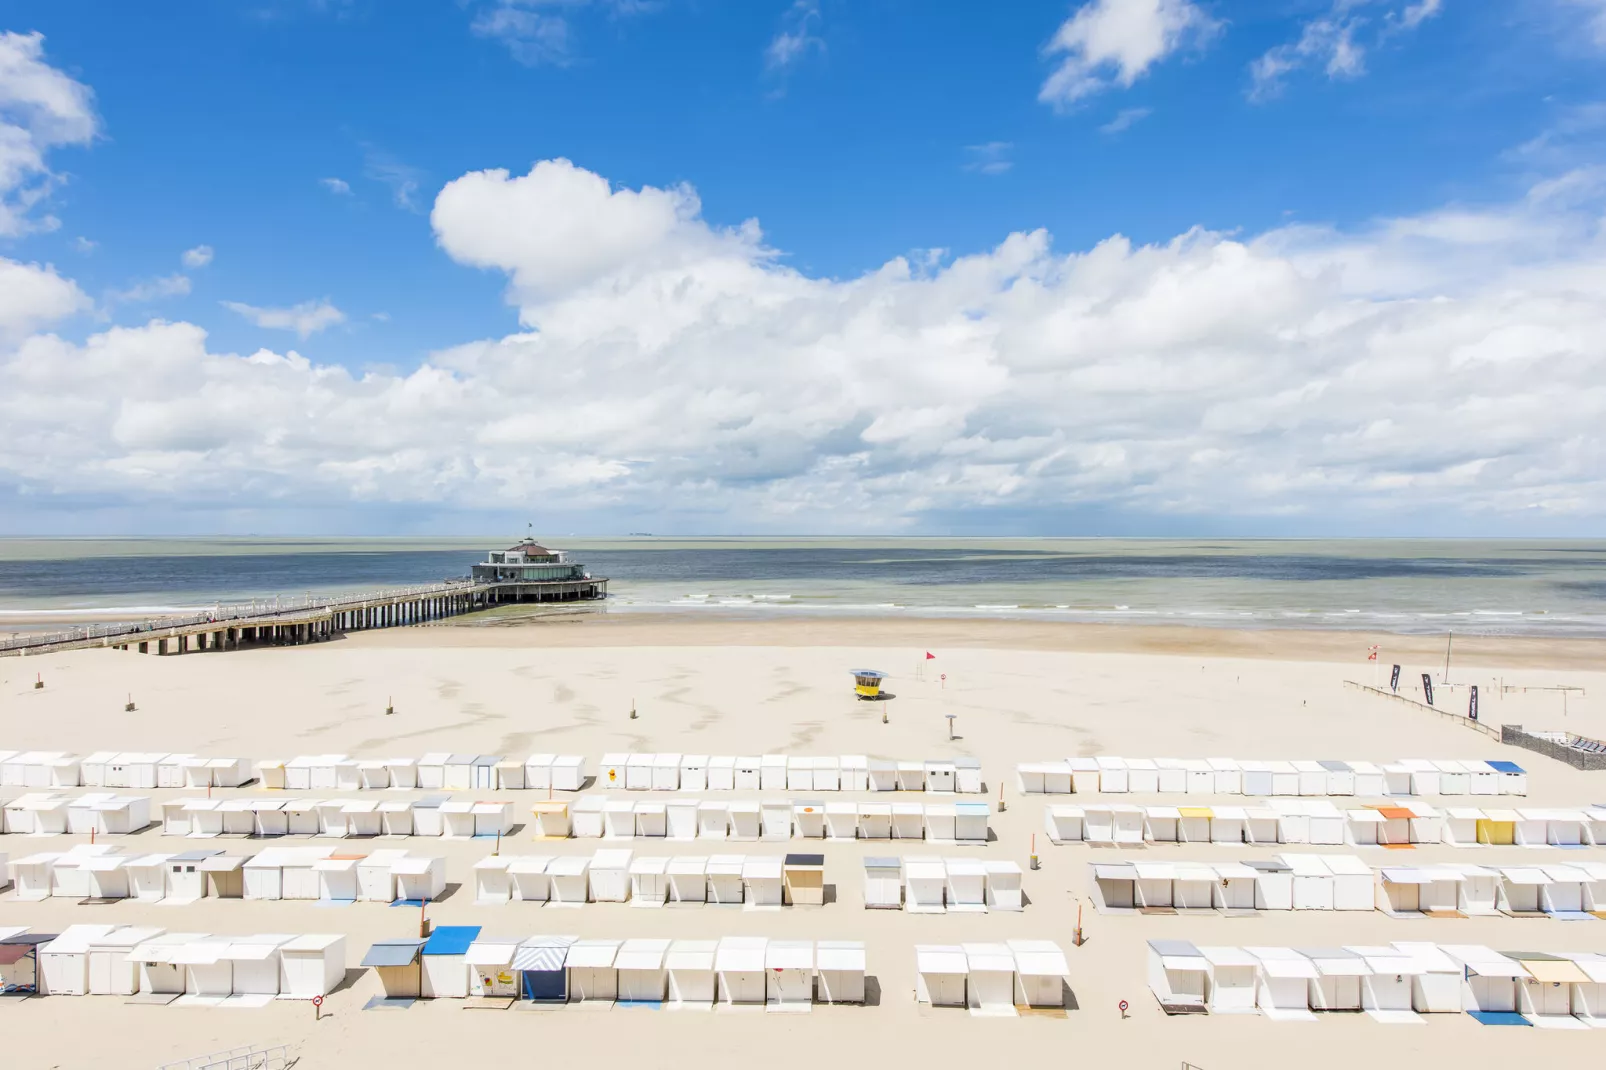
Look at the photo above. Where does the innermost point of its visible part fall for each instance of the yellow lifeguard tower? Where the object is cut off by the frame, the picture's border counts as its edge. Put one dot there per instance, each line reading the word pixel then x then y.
pixel 867 683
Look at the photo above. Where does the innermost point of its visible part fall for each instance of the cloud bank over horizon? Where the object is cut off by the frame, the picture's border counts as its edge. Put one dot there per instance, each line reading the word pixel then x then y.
pixel 1441 373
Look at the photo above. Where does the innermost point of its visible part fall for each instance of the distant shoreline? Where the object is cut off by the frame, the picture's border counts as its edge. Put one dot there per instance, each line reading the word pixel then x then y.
pixel 582 628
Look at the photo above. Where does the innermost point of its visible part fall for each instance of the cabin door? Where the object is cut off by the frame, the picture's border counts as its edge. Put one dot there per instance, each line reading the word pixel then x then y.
pixel 545 986
pixel 1493 993
pixel 790 986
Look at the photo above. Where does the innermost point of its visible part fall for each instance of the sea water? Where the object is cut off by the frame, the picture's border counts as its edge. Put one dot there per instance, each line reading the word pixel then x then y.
pixel 1517 587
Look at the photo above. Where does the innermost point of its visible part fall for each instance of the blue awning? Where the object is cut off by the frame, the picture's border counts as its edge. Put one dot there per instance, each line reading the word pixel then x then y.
pixel 451 939
pixel 1506 767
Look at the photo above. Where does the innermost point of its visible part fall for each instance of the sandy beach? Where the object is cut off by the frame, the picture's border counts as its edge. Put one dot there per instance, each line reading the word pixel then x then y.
pixel 1018 691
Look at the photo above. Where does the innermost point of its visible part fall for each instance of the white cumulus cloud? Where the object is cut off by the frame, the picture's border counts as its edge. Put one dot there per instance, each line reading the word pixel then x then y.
pixel 560 228
pixel 338 186
pixel 1439 372
pixel 33 296
pixel 198 257
pixel 40 108
pixel 305 319
pixel 1115 42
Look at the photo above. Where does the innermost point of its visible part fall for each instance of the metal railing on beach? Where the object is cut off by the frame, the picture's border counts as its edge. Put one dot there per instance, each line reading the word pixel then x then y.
pixel 274 1058
pixel 1463 719
pixel 258 609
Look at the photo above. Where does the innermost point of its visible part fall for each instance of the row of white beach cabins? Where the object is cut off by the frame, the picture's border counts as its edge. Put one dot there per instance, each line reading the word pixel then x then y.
pixel 475 772
pixel 1230 776
pixel 990 979
pixel 1317 821
pixel 588 817
pixel 458 962
pixel 1393 983
pixel 610 875
pixel 1344 882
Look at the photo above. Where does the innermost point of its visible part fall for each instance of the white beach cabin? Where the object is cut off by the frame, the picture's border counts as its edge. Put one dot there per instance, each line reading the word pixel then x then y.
pixel 1040 972
pixel 1337 986
pixel 1232 980
pixel 691 977
pixel 569 879
pixel 883 883
pixel 739 963
pixel 941 971
pixel 789 975
pixel 642 976
pixel 687 877
pixel 925 881
pixel 649 882
pixel 311 965
pixel 610 876
pixel 839 971
pixel 1285 977
pixel 1178 976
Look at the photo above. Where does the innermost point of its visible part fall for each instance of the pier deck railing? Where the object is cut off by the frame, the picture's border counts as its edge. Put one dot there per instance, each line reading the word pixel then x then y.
pixel 262 610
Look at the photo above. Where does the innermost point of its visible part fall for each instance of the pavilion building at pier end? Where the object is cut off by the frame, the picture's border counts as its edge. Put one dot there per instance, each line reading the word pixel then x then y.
pixel 529 572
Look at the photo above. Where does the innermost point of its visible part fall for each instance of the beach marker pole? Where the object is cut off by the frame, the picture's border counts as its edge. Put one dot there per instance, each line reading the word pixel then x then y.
pixel 38 681
pixel 317 1008
pixel 951 717
pixel 498 844
pixel 1001 806
pixel 390 705
pixel 1034 850
pixel 1122 1006
pixel 1076 937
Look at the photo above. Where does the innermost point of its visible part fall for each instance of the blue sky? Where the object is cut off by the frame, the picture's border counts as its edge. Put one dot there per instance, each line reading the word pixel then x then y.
pixel 304 143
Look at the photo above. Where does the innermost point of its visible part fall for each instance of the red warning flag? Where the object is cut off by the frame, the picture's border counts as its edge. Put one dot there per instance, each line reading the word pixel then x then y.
pixel 930 656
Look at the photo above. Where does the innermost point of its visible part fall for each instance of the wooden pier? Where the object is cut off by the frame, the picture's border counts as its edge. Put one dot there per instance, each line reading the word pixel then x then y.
pixel 308 620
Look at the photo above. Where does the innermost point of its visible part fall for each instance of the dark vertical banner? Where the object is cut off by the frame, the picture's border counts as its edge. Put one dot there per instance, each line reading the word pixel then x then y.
pixel 1427 688
pixel 1394 680
pixel 1472 703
